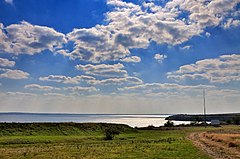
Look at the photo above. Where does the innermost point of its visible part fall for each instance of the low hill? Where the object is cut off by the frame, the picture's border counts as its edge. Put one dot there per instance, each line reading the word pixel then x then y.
pixel 25 129
pixel 209 117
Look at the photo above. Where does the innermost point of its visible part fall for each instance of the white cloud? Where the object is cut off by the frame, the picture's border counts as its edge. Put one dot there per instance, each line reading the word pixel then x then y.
pixel 231 23
pixel 160 57
pixel 223 93
pixel 112 75
pixel 205 13
pixel 117 81
pixel 207 34
pixel 55 95
pixel 104 70
pixel 128 26
pixel 25 38
pixel 41 88
pixel 95 44
pixel 9 1
pixel 13 74
pixel 21 94
pixel 134 59
pixel 187 47
pixel 224 69
pixel 81 89
pixel 6 63
pixel 66 79
pixel 161 87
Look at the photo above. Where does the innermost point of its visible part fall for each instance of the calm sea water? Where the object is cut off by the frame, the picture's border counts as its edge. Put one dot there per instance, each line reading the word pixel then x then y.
pixel 131 120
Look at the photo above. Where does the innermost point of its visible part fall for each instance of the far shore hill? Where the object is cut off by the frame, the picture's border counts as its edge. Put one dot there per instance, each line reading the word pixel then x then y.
pixel 208 117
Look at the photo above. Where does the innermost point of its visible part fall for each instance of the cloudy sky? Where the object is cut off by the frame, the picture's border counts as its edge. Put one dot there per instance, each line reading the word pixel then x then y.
pixel 119 56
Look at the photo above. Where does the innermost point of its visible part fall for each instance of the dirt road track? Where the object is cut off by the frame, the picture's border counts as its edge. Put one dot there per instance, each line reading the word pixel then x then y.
pixel 215 149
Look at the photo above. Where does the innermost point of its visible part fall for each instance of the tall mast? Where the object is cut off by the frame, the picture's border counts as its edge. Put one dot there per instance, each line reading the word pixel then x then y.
pixel 204 108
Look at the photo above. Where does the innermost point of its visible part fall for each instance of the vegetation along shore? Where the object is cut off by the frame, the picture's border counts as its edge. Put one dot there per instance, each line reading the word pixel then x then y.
pixel 91 140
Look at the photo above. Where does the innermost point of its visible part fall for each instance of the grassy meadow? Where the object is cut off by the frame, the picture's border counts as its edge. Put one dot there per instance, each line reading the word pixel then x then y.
pixel 72 140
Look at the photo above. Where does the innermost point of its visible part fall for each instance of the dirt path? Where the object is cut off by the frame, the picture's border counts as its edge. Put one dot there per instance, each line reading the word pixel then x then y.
pixel 215 148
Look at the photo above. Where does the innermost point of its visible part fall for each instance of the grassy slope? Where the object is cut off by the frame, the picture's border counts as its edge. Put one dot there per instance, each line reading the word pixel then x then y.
pixel 52 129
pixel 86 141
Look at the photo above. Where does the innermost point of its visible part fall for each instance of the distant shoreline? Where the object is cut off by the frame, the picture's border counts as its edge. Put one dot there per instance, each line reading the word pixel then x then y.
pixel 30 113
pixel 169 114
pixel 208 117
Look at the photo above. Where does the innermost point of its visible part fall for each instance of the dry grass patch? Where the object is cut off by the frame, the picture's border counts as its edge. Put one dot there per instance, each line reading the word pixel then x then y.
pixel 232 140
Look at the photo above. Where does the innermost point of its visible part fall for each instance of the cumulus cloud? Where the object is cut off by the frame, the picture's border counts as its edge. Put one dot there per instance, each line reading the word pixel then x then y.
pixel 55 95
pixel 9 1
pixel 117 81
pixel 128 26
pixel 107 75
pixel 66 79
pixel 25 38
pixel 21 94
pixel 187 47
pixel 231 23
pixel 13 74
pixel 6 63
pixel 205 13
pixel 134 59
pixel 156 87
pixel 224 93
pixel 104 70
pixel 224 69
pixel 40 88
pixel 147 23
pixel 207 34
pixel 131 26
pixel 160 57
pixel 81 89
pixel 95 45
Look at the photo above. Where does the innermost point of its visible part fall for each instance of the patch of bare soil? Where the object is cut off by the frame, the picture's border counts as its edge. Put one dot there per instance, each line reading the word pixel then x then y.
pixel 218 144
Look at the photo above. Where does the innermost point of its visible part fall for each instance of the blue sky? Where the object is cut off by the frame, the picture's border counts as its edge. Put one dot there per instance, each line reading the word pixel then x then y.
pixel 116 56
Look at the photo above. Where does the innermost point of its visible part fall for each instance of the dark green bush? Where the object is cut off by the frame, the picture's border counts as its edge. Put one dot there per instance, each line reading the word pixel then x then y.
pixel 169 124
pixel 110 133
pixel 236 120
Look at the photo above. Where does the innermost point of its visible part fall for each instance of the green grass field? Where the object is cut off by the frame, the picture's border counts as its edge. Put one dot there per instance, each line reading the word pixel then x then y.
pixel 69 140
